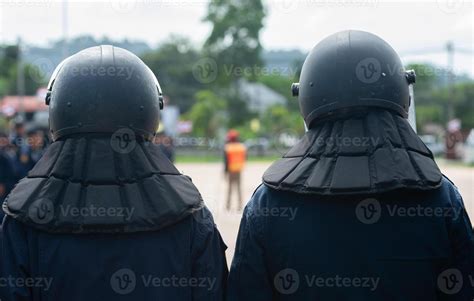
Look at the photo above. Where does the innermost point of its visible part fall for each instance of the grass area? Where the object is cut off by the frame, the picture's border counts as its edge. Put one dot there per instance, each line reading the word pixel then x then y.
pixel 458 163
pixel 214 158
pixel 271 158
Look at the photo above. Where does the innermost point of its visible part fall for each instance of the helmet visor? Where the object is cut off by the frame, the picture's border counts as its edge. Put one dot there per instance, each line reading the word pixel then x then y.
pixel 411 111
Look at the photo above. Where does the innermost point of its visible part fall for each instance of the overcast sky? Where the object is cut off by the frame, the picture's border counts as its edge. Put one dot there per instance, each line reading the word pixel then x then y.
pixel 422 27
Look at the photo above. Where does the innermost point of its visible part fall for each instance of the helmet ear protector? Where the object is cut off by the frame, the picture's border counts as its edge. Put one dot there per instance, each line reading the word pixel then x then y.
pixel 58 68
pixel 352 69
pixel 410 75
pixel 295 89
pixel 47 99
pixel 100 90
pixel 158 87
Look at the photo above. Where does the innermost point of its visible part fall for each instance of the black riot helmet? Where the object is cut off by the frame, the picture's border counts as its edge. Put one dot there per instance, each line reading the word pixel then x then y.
pixel 101 90
pixel 349 70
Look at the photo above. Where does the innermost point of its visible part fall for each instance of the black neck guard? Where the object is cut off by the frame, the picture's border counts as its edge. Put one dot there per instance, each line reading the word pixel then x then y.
pixel 373 153
pixel 81 185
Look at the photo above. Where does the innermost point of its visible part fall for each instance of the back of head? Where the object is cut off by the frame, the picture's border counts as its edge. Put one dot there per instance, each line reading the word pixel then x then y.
pixel 352 69
pixel 103 89
pixel 354 98
pixel 103 102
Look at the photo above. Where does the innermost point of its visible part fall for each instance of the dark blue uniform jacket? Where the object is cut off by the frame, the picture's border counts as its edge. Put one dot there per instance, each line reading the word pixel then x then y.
pixel 185 261
pixel 400 245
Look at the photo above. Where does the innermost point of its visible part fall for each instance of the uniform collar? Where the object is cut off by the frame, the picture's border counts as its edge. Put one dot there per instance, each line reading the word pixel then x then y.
pixel 373 153
pixel 87 185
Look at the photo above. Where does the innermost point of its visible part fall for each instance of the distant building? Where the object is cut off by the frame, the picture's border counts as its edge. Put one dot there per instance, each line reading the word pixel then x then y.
pixel 32 108
pixel 12 104
pixel 258 96
pixel 469 148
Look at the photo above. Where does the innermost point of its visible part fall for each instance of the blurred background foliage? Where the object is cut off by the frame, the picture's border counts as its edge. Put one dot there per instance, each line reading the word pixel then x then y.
pixel 234 45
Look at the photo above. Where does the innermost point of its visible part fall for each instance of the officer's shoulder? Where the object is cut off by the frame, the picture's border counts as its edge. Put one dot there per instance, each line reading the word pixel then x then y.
pixel 265 196
pixel 448 180
pixel 260 193
pixel 449 188
pixel 12 226
pixel 203 221
pixel 447 184
pixel 204 229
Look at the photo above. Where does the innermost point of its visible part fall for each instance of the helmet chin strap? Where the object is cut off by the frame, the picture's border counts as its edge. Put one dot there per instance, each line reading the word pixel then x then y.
pixel 411 111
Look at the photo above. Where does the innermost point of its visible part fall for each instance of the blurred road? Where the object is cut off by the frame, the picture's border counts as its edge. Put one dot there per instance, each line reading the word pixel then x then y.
pixel 210 180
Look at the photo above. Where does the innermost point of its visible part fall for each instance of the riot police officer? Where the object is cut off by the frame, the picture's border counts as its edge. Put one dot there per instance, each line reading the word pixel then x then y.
pixel 104 215
pixel 358 209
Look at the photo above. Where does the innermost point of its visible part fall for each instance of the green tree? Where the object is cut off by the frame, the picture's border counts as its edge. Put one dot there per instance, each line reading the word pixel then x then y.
pixel 282 85
pixel 277 119
pixel 9 73
pixel 429 106
pixel 429 114
pixel 33 78
pixel 433 98
pixel 207 114
pixel 234 45
pixel 173 64
pixel 426 79
pixel 8 59
pixel 462 97
pixel 234 40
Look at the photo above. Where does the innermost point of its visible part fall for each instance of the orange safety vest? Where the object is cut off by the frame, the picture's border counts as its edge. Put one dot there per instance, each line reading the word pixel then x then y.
pixel 236 154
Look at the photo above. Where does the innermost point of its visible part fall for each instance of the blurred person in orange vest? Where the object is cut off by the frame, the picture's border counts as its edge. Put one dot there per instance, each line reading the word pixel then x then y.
pixel 235 154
